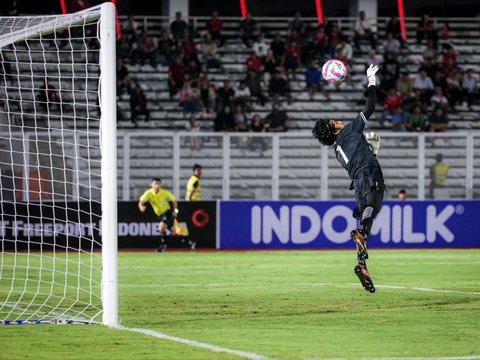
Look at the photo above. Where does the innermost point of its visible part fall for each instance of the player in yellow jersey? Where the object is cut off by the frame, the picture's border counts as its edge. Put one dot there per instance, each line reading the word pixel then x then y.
pixel 194 189
pixel 160 200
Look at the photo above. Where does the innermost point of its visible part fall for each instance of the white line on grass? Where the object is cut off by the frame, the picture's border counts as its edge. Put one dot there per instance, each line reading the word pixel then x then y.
pixel 407 358
pixel 302 284
pixel 214 348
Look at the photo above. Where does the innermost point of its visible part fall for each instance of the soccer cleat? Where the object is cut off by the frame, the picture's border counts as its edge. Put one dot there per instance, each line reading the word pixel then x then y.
pixel 364 277
pixel 161 248
pixel 361 243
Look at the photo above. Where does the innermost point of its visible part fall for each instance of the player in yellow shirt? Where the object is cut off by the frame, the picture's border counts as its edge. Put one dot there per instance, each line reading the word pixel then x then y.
pixel 160 200
pixel 194 189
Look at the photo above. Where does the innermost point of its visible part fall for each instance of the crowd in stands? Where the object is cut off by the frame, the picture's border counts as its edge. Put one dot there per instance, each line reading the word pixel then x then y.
pixel 417 101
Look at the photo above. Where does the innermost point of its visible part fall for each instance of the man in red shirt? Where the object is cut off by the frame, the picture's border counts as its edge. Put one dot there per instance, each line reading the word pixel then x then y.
pixel 391 103
pixel 215 26
pixel 291 60
pixel 254 62
pixel 176 76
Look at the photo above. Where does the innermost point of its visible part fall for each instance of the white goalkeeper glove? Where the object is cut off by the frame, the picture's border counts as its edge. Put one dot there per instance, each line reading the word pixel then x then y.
pixel 373 141
pixel 371 71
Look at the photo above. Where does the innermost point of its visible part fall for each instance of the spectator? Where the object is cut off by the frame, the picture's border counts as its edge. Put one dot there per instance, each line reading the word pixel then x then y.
pixel 123 79
pixel 278 47
pixel 260 47
pixel 269 66
pixel 297 24
pixel 249 29
pixel 454 87
pixel 166 49
pixel 417 121
pixel 449 53
pixel 256 125
pixel 439 80
pixel 438 99
pixel 386 84
pixel 402 195
pixel 48 96
pixel 225 95
pixel 192 71
pixel 371 59
pixel 187 100
pixel 291 60
pixel 391 66
pixel 253 82
pixel 176 76
pixel 277 120
pixel 469 86
pixel 146 50
pixel 195 141
pixel 178 26
pixel 314 81
pixel 404 86
pixel 438 175
pixel 206 94
pixel 189 47
pixel 138 104
pixel 130 32
pixel 438 121
pixel 215 27
pixel 209 52
pixel 426 30
pixel 363 30
pixel 254 62
pixel 393 27
pixel 430 52
pixel 334 38
pixel 242 95
pixel 391 103
pixel 279 86
pixel 429 66
pixel 240 119
pixel 320 42
pixel 391 45
pixel 224 120
pixel 344 52
pixel 399 120
pixel 423 83
pixel 445 32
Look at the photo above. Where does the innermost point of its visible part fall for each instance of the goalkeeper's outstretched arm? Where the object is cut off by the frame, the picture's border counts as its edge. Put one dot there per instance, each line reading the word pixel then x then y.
pixel 372 91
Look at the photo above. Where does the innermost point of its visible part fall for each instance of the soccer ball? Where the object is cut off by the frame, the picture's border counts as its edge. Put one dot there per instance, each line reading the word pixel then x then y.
pixel 334 71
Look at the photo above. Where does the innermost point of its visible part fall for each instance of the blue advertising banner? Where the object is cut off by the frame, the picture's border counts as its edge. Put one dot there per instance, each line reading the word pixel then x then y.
pixel 327 225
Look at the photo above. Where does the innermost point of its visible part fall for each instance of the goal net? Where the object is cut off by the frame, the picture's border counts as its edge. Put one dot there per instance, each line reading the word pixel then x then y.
pixel 58 168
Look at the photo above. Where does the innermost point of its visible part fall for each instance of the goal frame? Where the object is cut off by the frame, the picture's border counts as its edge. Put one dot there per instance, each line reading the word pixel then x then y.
pixel 107 138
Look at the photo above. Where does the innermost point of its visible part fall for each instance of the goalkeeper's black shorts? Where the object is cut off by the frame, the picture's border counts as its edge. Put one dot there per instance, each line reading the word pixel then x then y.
pixel 368 180
pixel 166 218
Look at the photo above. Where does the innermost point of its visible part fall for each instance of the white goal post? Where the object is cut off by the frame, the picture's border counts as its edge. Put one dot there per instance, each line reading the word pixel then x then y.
pixel 58 168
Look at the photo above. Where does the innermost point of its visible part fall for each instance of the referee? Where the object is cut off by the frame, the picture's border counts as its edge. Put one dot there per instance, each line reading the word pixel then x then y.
pixel 160 200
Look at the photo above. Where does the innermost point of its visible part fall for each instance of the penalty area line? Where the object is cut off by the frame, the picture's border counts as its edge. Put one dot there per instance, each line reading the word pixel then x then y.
pixel 214 348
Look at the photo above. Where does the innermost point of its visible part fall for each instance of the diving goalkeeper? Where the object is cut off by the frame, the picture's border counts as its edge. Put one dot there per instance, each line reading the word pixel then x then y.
pixel 357 154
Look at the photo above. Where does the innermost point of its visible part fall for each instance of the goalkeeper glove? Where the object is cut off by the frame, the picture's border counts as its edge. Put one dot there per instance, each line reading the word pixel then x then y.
pixel 373 141
pixel 371 71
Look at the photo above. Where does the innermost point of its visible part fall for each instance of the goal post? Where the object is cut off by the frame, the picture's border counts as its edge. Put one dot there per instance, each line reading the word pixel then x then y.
pixel 58 168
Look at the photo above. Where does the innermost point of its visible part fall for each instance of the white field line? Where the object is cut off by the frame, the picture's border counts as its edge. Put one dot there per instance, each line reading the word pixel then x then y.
pixel 214 348
pixel 300 284
pixel 473 357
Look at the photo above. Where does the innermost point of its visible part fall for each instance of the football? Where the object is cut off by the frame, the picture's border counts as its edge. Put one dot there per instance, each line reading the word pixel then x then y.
pixel 334 71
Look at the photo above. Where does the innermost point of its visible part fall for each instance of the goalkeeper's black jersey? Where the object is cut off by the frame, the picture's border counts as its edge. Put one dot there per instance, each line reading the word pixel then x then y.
pixel 351 147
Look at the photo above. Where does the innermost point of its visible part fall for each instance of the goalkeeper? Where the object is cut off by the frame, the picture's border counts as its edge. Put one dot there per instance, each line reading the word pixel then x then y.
pixel 160 200
pixel 357 154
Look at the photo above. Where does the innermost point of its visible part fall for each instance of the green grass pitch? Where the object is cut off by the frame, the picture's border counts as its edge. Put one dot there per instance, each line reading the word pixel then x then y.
pixel 282 305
